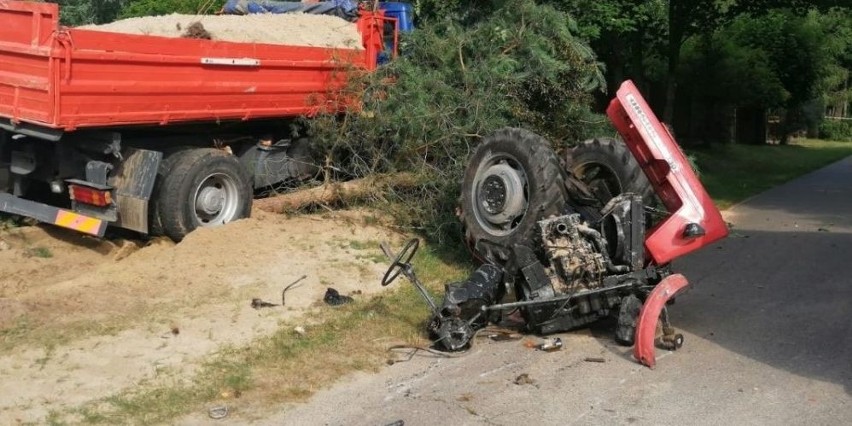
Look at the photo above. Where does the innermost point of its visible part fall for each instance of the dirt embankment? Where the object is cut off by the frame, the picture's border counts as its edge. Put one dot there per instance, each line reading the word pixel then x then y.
pixel 82 319
pixel 295 29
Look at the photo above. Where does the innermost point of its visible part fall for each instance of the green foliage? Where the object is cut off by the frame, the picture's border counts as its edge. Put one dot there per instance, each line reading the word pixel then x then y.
pixel 83 12
pixel 836 130
pixel 732 173
pixel 521 66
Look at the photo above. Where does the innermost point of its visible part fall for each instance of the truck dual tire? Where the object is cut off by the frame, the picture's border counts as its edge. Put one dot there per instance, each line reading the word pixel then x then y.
pixel 199 187
pixel 513 180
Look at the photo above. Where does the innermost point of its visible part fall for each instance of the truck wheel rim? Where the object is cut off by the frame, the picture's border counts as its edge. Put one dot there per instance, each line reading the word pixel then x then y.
pixel 217 200
pixel 500 194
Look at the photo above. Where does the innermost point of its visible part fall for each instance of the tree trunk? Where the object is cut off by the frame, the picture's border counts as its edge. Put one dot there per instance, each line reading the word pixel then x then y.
pixel 336 192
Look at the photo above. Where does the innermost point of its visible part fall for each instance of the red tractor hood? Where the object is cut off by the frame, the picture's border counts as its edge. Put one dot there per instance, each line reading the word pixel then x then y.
pixel 693 221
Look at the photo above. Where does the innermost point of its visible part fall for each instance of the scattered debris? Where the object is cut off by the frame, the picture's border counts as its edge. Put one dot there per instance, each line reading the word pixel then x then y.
pixel 529 344
pixel 291 285
pixel 218 412
pixel 523 379
pixel 258 303
pixel 551 345
pixel 397 423
pixel 175 330
pixel 594 359
pixel 196 30
pixel 504 336
pixel 300 330
pixel 823 230
pixel 334 298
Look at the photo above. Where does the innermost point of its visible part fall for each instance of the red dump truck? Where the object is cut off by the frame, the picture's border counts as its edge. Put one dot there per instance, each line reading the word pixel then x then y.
pixel 153 134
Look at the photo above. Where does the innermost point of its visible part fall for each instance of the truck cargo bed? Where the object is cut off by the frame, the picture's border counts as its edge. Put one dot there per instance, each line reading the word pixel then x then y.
pixel 68 78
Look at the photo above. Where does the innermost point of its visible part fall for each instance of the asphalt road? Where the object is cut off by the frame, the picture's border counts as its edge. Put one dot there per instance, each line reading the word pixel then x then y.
pixel 768 327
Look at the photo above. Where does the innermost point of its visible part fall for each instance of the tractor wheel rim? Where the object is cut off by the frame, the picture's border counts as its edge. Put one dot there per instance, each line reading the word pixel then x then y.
pixel 217 200
pixel 500 194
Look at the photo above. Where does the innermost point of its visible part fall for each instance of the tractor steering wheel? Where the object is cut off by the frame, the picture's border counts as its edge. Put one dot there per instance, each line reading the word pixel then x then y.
pixel 402 260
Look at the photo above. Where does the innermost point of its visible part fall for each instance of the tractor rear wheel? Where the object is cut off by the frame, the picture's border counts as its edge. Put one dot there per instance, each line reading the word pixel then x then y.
pixel 608 168
pixel 512 180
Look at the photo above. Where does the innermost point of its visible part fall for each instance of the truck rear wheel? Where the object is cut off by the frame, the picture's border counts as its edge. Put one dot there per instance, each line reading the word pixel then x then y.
pixel 199 188
pixel 512 180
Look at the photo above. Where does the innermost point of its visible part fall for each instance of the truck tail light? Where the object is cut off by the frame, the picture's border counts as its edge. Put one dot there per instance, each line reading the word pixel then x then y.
pixel 87 195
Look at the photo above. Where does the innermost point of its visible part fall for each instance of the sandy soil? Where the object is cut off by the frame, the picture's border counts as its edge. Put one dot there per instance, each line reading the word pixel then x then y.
pixel 295 29
pixel 81 318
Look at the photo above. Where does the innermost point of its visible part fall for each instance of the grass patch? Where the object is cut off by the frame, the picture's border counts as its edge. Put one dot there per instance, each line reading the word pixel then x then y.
pixel 288 367
pixel 42 252
pixel 732 173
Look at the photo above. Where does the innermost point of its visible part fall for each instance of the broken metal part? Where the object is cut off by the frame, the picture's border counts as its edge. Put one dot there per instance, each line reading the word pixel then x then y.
pixel 670 339
pixel 454 334
pixel 334 298
pixel 465 300
pixel 291 285
pixel 628 314
pixel 462 310
pixel 218 412
pixel 258 303
pixel 646 327
pixel 623 224
pixel 551 345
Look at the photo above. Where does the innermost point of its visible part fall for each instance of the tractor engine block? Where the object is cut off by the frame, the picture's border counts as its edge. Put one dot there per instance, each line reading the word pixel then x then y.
pixel 575 261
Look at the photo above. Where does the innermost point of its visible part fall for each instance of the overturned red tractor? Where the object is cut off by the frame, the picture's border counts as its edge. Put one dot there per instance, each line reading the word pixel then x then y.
pixel 570 241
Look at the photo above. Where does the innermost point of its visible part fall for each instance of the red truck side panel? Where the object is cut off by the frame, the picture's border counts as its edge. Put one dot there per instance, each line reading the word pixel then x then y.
pixel 26 41
pixel 671 176
pixel 74 78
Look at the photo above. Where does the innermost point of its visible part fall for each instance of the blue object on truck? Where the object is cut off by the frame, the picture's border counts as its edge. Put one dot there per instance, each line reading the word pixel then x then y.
pixel 346 9
pixel 401 11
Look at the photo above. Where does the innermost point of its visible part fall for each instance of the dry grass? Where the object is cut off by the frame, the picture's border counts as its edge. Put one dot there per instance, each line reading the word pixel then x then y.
pixel 287 366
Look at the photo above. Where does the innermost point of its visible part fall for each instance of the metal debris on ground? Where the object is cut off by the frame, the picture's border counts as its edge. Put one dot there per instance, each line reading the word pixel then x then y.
pixel 291 285
pixel 523 379
pixel 504 336
pixel 551 345
pixel 300 330
pixel 396 423
pixel 334 298
pixel 258 303
pixel 218 412
pixel 594 359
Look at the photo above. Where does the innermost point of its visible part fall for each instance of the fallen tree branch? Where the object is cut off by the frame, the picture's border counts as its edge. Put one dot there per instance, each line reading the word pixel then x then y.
pixel 335 192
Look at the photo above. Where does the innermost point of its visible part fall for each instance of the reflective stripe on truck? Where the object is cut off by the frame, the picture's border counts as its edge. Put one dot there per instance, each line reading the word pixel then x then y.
pixel 45 213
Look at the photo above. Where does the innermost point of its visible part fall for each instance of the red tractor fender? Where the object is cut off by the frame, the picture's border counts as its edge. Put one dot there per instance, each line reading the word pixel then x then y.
pixel 646 326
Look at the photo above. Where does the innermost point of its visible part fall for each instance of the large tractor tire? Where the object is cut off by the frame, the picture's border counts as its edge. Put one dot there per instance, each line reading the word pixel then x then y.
pixel 608 168
pixel 512 180
pixel 199 187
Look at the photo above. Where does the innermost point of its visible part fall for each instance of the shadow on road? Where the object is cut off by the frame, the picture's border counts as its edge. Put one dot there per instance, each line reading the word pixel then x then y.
pixel 781 298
